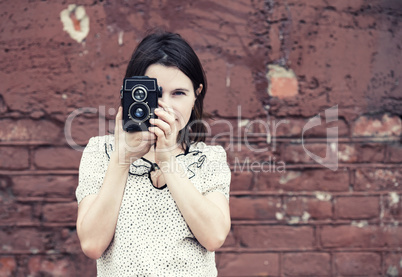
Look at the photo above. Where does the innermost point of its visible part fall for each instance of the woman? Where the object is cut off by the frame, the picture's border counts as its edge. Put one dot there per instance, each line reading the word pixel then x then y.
pixel 156 203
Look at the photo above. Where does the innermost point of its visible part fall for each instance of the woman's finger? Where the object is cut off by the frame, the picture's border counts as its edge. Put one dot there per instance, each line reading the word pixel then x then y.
pixel 157 131
pixel 166 108
pixel 165 116
pixel 164 126
pixel 118 120
pixel 162 104
pixel 168 119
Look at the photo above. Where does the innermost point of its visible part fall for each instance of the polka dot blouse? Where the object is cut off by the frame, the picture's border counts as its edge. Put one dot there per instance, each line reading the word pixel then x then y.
pixel 151 236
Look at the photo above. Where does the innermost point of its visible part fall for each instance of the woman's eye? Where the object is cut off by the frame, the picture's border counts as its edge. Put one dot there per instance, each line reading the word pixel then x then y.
pixel 178 92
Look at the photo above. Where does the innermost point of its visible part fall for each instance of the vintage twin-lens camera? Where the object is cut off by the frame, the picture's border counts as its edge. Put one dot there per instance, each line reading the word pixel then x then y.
pixel 139 98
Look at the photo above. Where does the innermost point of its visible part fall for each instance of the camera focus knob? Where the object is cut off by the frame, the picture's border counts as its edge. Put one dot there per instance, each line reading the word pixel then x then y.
pixel 160 92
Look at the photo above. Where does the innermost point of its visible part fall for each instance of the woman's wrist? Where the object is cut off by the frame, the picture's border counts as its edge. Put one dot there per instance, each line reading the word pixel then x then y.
pixel 121 161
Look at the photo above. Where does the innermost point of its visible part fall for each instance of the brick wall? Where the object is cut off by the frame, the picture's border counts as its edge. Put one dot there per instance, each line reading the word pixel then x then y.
pixel 310 196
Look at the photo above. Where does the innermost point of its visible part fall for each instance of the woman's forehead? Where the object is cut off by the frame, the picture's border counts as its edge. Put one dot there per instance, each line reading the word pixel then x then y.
pixel 168 77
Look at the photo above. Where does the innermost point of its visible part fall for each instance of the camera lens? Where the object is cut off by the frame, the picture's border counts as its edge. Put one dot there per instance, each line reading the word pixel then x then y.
pixel 139 94
pixel 139 112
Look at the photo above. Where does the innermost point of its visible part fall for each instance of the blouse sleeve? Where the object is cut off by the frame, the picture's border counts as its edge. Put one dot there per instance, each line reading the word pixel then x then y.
pixel 216 175
pixel 92 168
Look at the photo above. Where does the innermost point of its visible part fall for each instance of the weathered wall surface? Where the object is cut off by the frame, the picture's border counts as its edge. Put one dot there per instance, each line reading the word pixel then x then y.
pixel 272 67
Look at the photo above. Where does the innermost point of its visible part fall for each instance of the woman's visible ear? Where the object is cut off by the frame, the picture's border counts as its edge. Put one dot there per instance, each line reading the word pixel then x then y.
pixel 199 89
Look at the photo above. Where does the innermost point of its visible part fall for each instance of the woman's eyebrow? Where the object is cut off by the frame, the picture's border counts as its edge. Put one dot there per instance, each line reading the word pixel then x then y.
pixel 181 89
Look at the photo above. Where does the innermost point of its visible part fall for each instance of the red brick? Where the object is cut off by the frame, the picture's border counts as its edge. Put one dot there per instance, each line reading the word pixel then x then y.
pixel 22 240
pixel 261 127
pixel 365 207
pixel 253 208
pixel 16 214
pixel 306 180
pixel 279 12
pixel 319 209
pixel 294 206
pixel 306 264
pixel 84 265
pixel 39 240
pixel 392 236
pixel 394 153
pixel 32 95
pixel 344 88
pixel 49 186
pixel 248 264
pixel 392 264
pixel 275 237
pixel 282 82
pixel 275 43
pixel 351 237
pixel 60 240
pixel 51 266
pixel 60 212
pixel 5 183
pixel 358 264
pixel 347 153
pixel 14 158
pixel 84 127
pixel 379 127
pixel 295 153
pixel 284 127
pixel 8 266
pixel 348 236
pixel 340 6
pixel 257 167
pixel 224 128
pixel 307 208
pixel 219 73
pixel 289 127
pixel 370 179
pixel 392 206
pixel 70 242
pixel 241 181
pixel 332 129
pixel 253 158
pixel 211 16
pixel 57 158
pixel 29 130
pixel 371 152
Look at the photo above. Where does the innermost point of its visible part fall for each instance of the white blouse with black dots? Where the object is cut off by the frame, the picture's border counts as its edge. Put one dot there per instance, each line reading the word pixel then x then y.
pixel 152 237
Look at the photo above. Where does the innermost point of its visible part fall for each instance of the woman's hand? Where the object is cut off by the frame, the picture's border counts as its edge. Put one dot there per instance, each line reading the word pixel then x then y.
pixel 130 146
pixel 165 130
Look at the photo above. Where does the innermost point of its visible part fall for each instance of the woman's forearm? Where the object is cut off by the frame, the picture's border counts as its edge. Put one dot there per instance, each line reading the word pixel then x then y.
pixel 97 214
pixel 207 217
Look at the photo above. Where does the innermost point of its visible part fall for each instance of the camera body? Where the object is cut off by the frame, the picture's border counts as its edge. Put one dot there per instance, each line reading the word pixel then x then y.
pixel 139 98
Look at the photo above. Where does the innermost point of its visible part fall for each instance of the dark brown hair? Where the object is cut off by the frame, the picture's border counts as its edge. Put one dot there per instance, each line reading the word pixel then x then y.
pixel 171 49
